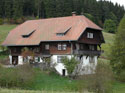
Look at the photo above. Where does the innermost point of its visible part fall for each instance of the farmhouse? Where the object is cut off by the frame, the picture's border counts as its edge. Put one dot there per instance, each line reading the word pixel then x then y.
pixel 56 38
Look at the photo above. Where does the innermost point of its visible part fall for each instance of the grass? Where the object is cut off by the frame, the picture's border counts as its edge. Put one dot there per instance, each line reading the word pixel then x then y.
pixel 118 87
pixel 109 38
pixel 30 91
pixel 4 30
pixel 52 81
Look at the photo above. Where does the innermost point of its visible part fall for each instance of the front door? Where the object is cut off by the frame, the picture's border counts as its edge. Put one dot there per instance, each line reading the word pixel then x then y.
pixel 64 72
pixel 14 60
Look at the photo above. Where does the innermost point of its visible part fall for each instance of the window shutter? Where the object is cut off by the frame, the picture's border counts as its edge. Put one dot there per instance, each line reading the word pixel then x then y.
pixel 38 59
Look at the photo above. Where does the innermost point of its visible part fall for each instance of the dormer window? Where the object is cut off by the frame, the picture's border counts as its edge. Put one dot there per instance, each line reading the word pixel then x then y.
pixel 28 34
pixel 89 35
pixel 63 32
pixel 60 34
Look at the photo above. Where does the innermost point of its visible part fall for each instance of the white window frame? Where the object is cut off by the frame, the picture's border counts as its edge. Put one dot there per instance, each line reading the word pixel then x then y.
pixel 47 46
pixel 59 47
pixel 37 59
pixel 64 47
pixel 59 59
pixel 90 35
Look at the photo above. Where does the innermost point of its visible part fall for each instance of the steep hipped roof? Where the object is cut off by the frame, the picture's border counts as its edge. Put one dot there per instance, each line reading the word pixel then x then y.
pixel 46 30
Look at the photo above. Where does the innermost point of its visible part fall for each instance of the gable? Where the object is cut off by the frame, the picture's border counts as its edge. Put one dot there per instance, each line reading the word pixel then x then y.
pixel 97 37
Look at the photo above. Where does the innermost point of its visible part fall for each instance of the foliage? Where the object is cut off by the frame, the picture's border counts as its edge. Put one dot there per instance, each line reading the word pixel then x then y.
pixel 26 52
pixel 121 76
pixel 89 16
pixel 21 77
pixel 118 49
pixel 100 10
pixel 1 21
pixel 70 64
pixel 110 26
pixel 99 82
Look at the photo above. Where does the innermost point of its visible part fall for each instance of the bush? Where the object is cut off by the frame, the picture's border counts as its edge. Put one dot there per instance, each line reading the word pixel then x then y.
pixel 121 76
pixel 99 82
pixel 20 77
pixel 70 64
pixel 1 21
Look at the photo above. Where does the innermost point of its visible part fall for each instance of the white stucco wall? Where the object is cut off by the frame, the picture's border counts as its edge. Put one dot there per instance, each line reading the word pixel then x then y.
pixel 10 57
pixel 87 67
pixel 20 60
pixel 59 66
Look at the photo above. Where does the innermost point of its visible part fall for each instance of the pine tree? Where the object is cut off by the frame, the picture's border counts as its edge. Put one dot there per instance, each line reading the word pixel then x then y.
pixel 110 26
pixel 17 9
pixel 118 49
pixel 8 6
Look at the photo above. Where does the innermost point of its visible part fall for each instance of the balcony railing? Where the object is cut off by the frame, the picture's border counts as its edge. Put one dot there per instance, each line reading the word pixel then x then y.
pixel 89 52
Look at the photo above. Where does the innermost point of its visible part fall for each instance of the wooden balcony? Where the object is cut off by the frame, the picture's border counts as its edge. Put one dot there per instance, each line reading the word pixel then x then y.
pixel 88 52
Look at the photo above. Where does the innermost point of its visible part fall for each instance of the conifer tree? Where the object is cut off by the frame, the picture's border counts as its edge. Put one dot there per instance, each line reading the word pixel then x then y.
pixel 118 49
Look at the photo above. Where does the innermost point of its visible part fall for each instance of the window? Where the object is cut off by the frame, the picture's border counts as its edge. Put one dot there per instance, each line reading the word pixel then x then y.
pixel 91 47
pixel 81 47
pixel 15 50
pixel 28 34
pixel 37 59
pixel 59 58
pixel 47 46
pixel 91 59
pixel 59 47
pixel 37 49
pixel 64 46
pixel 25 59
pixel 60 34
pixel 89 35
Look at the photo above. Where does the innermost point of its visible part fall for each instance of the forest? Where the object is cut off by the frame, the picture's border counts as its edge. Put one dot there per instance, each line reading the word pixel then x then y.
pixel 18 11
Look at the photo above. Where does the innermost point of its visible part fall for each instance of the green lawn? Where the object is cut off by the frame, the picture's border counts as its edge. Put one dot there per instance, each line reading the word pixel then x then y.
pixel 52 81
pixel 109 38
pixel 30 91
pixel 4 30
pixel 118 87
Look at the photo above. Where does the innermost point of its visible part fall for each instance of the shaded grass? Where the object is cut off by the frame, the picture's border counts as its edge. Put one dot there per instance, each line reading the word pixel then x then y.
pixel 118 87
pixel 52 81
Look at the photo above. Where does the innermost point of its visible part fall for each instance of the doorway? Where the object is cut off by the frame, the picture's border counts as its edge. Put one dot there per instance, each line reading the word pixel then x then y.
pixel 14 60
pixel 63 72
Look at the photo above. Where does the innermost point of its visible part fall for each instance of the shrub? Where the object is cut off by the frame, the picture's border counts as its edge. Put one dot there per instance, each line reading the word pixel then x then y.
pixel 1 21
pixel 70 64
pixel 121 76
pixel 99 82
pixel 19 21
pixel 20 77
